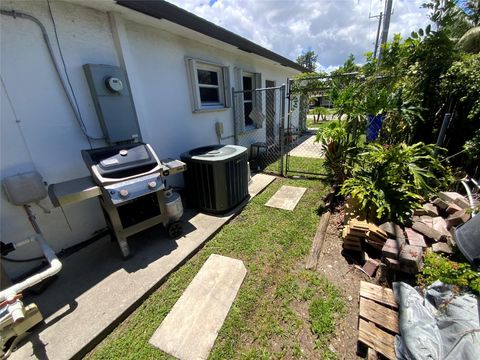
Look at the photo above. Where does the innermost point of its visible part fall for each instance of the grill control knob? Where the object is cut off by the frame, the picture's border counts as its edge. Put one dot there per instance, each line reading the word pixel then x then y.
pixel 124 193
pixel 152 185
pixel 123 152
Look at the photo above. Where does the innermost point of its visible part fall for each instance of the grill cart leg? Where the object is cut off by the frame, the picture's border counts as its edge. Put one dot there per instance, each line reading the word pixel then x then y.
pixel 122 242
pixel 115 225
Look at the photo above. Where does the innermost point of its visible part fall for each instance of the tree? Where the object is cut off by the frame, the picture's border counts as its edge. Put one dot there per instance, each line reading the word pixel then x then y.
pixel 308 60
pixel 470 41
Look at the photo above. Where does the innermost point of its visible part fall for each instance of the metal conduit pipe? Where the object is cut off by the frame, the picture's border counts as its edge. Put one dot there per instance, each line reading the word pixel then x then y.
pixel 470 196
pixel 55 267
pixel 21 15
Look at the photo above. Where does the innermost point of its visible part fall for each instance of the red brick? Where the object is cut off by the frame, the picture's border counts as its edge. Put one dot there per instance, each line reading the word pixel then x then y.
pixel 393 264
pixel 428 231
pixel 460 217
pixel 394 231
pixel 453 208
pixel 371 266
pixel 440 204
pixel 391 249
pixel 462 202
pixel 410 258
pixel 450 196
pixel 419 211
pixel 441 248
pixel 440 225
pixel 430 209
pixel 415 238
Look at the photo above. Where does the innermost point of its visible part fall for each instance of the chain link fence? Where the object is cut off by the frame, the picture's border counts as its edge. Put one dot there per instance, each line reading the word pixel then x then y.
pixel 259 125
pixel 279 130
pixel 304 156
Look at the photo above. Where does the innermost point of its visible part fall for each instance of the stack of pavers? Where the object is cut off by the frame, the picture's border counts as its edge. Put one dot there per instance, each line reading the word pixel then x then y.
pixel 403 251
pixel 403 247
pixel 358 232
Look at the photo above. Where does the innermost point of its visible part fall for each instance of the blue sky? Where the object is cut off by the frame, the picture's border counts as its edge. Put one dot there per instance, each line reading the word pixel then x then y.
pixel 332 28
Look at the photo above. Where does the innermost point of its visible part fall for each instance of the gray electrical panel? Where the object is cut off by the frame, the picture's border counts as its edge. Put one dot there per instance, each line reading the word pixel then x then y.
pixel 113 101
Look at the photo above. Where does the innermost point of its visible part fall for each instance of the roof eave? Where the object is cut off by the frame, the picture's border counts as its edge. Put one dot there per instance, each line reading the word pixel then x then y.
pixel 164 10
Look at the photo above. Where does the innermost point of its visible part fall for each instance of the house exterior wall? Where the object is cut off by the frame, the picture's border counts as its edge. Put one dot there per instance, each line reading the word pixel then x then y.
pixel 38 127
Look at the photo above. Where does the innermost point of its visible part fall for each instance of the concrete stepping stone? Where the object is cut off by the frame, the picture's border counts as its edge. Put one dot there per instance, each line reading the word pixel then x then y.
pixel 286 198
pixel 191 328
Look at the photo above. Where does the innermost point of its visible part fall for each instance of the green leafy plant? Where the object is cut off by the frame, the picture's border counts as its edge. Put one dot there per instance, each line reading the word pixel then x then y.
pixel 334 142
pixel 472 146
pixel 389 181
pixel 438 267
pixel 462 82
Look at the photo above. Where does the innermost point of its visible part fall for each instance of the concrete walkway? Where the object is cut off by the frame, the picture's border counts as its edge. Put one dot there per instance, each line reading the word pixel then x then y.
pixel 190 329
pixel 307 147
pixel 96 289
pixel 286 198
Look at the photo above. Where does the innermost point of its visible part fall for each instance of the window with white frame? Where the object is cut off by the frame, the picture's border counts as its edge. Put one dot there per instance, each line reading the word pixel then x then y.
pixel 209 85
pixel 247 82
pixel 251 107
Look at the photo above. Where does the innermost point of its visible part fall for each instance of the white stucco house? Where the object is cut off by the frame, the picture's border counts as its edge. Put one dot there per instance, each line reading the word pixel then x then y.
pixel 163 49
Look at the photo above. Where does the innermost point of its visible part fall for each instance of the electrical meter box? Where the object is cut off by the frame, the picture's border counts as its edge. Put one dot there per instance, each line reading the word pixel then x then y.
pixel 113 101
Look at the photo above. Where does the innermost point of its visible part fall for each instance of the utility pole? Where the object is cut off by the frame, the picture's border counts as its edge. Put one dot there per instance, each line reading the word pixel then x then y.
pixel 378 33
pixel 386 25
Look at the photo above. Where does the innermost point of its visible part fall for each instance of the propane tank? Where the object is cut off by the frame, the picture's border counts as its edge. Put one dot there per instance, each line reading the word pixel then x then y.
pixel 173 204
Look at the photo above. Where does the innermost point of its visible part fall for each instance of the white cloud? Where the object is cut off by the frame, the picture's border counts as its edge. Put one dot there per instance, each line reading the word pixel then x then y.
pixel 332 28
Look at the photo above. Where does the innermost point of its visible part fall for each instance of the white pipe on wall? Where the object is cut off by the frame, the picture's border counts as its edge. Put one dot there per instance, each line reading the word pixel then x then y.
pixel 55 267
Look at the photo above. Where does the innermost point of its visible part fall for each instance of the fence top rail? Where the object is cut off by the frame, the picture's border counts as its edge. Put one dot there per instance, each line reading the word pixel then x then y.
pixel 259 89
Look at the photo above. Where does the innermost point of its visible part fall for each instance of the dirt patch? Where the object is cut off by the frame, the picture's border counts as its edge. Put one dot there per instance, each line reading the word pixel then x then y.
pixel 339 269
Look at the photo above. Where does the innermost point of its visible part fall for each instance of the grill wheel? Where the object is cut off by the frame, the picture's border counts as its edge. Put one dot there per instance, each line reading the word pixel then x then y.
pixel 175 230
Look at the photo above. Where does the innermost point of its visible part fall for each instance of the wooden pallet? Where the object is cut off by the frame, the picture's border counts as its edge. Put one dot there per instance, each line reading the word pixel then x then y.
pixel 356 232
pixel 378 320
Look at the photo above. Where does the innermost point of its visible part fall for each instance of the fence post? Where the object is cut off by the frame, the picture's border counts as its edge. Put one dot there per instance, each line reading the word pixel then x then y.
pixel 234 110
pixel 282 129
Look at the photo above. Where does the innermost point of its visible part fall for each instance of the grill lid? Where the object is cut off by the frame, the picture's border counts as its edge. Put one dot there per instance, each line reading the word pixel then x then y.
pixel 116 163
pixel 125 158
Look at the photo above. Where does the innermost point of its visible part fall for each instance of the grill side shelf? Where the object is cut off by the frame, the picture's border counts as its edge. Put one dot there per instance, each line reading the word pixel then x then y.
pixel 73 191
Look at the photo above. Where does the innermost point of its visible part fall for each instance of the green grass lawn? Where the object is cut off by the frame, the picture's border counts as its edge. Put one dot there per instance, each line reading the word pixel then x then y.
pixel 277 302
pixel 311 124
pixel 298 165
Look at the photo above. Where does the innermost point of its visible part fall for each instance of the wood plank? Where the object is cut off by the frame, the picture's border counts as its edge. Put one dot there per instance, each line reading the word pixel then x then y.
pixel 353 237
pixel 317 243
pixel 352 242
pixel 376 339
pixel 359 224
pixel 379 314
pixel 353 248
pixel 378 294
pixel 357 232
pixel 379 231
pixel 372 354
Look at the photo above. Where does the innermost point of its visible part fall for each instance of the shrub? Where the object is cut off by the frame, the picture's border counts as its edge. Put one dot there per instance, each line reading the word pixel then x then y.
pixel 389 181
pixel 334 142
pixel 437 267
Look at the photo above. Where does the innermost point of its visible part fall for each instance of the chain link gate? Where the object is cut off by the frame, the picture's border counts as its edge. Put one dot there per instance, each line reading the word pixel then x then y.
pixel 303 156
pixel 259 125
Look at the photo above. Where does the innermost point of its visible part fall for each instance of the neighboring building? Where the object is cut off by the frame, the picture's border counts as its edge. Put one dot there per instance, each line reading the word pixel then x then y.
pixel 181 70
pixel 320 99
